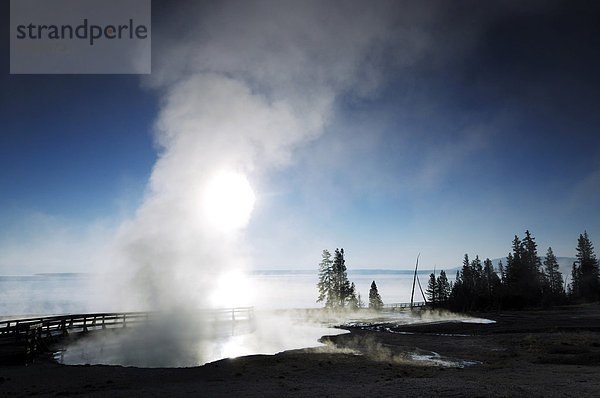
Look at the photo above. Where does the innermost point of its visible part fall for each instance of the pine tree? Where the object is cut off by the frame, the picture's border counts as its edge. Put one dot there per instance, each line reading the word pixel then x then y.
pixel 466 274
pixel 375 302
pixel 341 284
pixel 531 259
pixel 458 297
pixel 432 290
pixel 479 289
pixel 574 290
pixel 326 281
pixel 553 275
pixel 360 302
pixel 514 267
pixel 585 270
pixel 502 272
pixel 443 287
pixel 524 278
pixel 491 280
pixel 477 273
pixel 352 299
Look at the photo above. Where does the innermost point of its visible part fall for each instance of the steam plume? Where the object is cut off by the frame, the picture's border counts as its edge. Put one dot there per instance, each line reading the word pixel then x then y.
pixel 250 82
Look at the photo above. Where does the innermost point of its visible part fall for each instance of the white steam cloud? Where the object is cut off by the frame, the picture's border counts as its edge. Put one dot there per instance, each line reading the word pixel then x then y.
pixel 243 84
pixel 250 82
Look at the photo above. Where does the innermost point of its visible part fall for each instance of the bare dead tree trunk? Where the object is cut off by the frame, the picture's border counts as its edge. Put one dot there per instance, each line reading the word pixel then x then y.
pixel 412 295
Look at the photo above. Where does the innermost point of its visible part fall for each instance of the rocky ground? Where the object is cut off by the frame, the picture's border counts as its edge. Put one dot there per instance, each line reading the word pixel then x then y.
pixel 529 353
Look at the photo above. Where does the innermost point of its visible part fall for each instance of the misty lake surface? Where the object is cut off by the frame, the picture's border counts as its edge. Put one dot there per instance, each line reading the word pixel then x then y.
pixel 297 289
pixel 48 294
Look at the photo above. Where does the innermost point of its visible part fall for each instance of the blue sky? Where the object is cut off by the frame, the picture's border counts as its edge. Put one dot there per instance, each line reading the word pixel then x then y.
pixel 491 130
pixel 72 143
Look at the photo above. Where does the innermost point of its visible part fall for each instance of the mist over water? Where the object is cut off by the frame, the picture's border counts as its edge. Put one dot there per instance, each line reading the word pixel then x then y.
pixel 47 294
pixel 187 337
pixel 153 345
pixel 297 289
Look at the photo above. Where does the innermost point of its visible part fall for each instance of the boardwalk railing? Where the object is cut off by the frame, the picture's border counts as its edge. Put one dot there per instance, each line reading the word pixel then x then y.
pixel 32 333
pixel 62 324
pixel 401 306
pixel 29 336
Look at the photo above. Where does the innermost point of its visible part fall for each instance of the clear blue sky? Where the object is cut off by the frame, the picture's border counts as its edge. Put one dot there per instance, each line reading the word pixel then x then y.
pixel 494 130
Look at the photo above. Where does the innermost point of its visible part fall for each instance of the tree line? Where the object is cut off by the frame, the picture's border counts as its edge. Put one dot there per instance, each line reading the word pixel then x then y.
pixel 524 281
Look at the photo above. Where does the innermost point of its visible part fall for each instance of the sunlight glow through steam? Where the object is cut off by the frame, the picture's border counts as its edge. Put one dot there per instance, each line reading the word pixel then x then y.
pixel 228 201
pixel 233 289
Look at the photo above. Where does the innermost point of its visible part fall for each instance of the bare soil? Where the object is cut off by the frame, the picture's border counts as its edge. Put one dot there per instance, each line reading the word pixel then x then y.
pixel 527 353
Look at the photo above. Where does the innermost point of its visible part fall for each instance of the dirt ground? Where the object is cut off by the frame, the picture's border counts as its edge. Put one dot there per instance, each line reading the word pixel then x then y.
pixel 528 353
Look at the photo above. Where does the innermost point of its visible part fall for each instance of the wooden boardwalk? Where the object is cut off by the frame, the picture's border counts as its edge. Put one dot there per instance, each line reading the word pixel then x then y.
pixel 30 336
pixel 404 306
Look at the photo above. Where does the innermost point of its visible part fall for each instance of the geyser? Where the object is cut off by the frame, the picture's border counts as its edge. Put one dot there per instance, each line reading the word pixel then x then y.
pixel 249 83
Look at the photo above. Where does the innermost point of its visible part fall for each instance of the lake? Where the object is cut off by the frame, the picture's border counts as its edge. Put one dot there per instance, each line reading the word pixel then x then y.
pixel 44 294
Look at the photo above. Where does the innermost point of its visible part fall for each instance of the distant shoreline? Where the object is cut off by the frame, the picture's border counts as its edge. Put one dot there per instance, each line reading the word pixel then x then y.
pixel 565 264
pixel 259 272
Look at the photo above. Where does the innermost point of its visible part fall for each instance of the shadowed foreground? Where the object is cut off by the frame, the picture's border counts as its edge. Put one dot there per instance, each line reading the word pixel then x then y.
pixel 537 353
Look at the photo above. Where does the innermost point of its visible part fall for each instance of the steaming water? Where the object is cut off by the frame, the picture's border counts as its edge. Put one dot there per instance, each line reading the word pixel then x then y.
pixel 275 331
pixel 433 358
pixel 148 347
